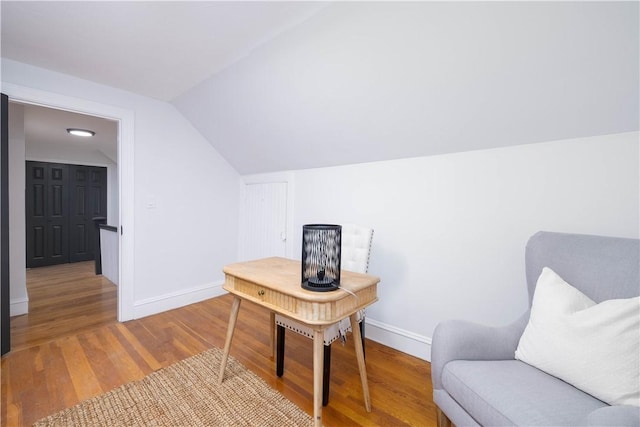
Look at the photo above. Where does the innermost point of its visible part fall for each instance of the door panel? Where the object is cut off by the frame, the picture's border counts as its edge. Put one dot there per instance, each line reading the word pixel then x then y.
pixel 39 242
pixel 58 244
pixel 37 206
pixel 89 184
pixel 5 330
pixel 39 200
pixel 57 220
pixel 78 215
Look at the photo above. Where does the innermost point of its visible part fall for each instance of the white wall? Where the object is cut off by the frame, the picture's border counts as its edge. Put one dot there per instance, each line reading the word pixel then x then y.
pixel 18 298
pixel 450 230
pixel 39 151
pixel 185 194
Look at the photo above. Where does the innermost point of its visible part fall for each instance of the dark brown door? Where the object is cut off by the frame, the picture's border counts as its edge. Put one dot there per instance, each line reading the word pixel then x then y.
pixel 88 199
pixel 5 330
pixel 47 207
pixel 61 201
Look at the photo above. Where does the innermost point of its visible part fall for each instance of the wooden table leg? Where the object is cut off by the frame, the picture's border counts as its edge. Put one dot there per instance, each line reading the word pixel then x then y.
pixel 357 341
pixel 272 332
pixel 235 307
pixel 318 369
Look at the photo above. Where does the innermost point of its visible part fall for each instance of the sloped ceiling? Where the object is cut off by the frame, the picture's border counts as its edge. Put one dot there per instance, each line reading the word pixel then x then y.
pixel 292 85
pixel 155 48
pixel 362 82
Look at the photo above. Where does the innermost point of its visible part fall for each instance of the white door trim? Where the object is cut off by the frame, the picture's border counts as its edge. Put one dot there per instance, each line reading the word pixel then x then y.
pixel 126 139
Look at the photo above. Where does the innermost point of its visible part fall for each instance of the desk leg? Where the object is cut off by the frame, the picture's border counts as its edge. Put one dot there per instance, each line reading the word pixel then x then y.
pixel 357 341
pixel 318 369
pixel 235 307
pixel 272 333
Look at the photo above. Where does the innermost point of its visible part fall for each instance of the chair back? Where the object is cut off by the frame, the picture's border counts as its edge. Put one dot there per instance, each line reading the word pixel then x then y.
pixel 600 267
pixel 356 248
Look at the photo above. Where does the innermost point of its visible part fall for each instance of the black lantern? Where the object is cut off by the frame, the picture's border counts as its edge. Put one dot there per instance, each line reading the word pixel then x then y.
pixel 321 246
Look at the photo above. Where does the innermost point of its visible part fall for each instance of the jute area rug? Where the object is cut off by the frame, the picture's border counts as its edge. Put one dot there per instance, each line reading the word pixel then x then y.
pixel 187 394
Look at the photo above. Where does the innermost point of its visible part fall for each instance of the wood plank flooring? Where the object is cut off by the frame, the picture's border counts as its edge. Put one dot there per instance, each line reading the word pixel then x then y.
pixel 63 299
pixel 43 375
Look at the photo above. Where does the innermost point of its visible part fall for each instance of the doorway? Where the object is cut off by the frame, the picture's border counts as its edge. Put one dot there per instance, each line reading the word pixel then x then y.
pixel 123 208
pixel 66 176
pixel 266 213
pixel 264 221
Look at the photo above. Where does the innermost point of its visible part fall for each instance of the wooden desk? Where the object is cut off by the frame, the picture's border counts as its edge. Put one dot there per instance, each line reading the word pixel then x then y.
pixel 274 283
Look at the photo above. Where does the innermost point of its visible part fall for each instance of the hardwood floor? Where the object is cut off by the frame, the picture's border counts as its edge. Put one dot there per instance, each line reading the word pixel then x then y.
pixel 64 299
pixel 43 376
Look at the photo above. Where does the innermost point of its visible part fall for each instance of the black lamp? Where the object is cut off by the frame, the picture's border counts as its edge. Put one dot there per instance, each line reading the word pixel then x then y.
pixel 321 246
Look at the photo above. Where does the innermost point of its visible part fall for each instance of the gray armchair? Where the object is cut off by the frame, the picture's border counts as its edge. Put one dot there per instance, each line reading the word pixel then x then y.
pixel 478 381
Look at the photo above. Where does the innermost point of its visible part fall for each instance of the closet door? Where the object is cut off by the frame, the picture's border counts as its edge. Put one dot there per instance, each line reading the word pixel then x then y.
pixel 61 202
pixel 47 211
pixel 88 199
pixel 5 308
pixel 263 219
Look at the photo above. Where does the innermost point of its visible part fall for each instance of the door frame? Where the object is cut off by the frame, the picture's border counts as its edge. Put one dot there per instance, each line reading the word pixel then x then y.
pixel 126 140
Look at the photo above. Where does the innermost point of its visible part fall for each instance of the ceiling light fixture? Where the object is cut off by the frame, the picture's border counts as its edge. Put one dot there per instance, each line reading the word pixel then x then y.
pixel 81 132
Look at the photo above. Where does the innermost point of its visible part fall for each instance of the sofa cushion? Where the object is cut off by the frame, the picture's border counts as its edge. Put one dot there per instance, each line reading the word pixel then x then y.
pixel 595 347
pixel 615 416
pixel 510 392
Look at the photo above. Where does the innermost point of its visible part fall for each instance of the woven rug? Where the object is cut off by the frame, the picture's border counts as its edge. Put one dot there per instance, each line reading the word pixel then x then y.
pixel 187 394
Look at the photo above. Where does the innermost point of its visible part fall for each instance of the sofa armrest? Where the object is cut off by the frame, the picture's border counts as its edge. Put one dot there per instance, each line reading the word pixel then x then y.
pixel 619 416
pixel 461 340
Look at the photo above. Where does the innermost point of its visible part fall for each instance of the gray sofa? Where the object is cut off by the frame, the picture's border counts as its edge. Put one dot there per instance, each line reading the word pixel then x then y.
pixel 477 380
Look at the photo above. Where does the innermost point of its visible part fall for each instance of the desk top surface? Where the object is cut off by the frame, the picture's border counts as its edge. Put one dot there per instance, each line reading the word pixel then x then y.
pixel 284 275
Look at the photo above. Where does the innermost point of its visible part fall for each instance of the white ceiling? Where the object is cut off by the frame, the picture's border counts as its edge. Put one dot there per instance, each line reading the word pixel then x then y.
pixel 46 132
pixel 158 49
pixel 292 85
pixel 373 81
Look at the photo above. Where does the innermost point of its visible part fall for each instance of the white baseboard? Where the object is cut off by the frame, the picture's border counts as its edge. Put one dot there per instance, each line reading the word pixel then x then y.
pixel 155 305
pixel 399 339
pixel 19 306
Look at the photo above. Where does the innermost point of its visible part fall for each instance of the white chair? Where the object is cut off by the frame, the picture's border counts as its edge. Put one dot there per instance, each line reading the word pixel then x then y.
pixel 355 251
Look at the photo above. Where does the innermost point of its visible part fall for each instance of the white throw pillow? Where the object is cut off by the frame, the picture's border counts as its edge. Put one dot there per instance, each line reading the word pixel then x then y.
pixel 594 347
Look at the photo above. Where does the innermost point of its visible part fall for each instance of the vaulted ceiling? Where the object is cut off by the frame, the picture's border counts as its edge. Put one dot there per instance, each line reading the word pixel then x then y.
pixel 157 49
pixel 291 85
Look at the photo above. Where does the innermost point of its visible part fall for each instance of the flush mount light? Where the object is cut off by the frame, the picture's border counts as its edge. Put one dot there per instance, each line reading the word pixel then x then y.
pixel 81 132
